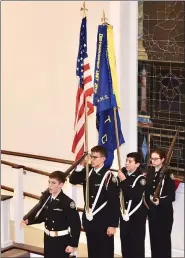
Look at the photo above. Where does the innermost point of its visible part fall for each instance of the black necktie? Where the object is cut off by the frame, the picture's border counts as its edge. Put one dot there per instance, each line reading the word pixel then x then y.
pixel 156 173
pixel 52 199
pixel 93 171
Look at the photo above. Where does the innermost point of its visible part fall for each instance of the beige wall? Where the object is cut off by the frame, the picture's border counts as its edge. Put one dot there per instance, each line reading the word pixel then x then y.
pixel 39 49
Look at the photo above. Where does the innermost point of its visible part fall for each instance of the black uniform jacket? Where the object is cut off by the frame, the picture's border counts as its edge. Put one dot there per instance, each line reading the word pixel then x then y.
pixel 58 214
pixel 167 195
pixel 109 215
pixel 136 193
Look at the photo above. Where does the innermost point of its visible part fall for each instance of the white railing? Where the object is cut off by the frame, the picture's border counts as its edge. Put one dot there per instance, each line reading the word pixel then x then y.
pixel 18 201
pixel 5 223
pixel 18 205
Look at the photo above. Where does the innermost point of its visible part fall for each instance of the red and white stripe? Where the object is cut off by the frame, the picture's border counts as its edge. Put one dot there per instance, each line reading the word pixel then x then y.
pixel 79 126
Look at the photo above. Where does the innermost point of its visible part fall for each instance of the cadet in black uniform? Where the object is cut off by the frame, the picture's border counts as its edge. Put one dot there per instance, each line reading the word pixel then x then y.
pixel 103 202
pixel 132 222
pixel 160 214
pixel 62 221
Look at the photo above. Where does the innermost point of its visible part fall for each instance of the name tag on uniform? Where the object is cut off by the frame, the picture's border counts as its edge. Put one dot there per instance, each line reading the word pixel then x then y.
pixel 97 185
pixel 57 209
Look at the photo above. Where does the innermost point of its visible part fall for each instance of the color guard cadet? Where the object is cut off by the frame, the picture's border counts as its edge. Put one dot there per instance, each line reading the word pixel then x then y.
pixel 101 221
pixel 133 210
pixel 61 218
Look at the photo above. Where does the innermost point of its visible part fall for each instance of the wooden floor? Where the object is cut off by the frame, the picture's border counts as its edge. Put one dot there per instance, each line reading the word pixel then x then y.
pixel 33 236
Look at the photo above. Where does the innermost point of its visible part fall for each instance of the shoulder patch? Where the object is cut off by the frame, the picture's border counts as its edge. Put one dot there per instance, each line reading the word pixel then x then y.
pixel 72 205
pixel 143 181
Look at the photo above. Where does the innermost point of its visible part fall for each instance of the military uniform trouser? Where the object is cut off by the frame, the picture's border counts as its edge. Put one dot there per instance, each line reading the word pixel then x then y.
pixel 54 247
pixel 132 235
pixel 99 244
pixel 160 228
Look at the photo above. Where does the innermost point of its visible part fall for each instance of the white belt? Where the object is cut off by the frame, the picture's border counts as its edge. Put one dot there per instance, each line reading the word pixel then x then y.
pixel 56 233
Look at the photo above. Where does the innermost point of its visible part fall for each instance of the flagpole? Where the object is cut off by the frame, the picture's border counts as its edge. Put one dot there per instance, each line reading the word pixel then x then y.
pixel 117 139
pixel 84 9
pixel 87 163
pixel 105 22
pixel 119 157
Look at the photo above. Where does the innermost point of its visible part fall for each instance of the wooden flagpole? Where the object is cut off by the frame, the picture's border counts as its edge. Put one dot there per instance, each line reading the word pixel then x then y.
pixel 84 10
pixel 119 157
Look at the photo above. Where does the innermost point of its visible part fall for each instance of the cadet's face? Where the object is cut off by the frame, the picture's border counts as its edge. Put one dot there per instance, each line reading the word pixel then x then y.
pixel 156 160
pixel 54 185
pixel 131 165
pixel 96 159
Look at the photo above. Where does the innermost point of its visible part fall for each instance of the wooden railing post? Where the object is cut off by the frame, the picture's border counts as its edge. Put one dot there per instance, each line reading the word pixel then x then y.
pixel 18 204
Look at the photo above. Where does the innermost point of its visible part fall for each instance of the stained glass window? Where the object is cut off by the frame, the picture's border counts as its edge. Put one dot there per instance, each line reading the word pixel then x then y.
pixel 161 80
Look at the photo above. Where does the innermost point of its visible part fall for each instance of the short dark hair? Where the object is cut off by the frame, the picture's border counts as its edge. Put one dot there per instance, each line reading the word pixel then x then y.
pixel 58 175
pixel 135 155
pixel 99 149
pixel 160 152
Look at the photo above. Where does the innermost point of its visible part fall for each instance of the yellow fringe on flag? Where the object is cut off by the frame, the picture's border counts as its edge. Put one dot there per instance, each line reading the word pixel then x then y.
pixel 112 62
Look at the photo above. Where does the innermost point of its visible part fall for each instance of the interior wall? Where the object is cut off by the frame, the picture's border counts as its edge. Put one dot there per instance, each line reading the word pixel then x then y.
pixel 39 49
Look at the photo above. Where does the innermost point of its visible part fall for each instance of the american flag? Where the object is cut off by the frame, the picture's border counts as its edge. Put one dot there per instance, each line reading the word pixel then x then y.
pixel 85 91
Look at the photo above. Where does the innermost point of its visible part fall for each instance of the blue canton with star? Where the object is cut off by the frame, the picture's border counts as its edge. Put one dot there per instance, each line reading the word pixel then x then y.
pixel 82 52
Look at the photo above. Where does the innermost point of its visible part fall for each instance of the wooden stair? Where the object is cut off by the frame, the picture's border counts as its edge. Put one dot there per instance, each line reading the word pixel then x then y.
pixel 15 253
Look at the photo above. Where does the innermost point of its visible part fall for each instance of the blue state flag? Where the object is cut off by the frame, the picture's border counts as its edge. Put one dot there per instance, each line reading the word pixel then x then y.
pixel 105 98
